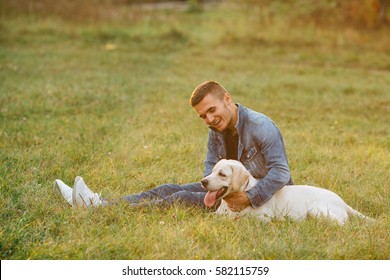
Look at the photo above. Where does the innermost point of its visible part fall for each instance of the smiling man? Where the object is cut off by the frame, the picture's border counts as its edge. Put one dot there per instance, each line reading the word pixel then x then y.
pixel 235 132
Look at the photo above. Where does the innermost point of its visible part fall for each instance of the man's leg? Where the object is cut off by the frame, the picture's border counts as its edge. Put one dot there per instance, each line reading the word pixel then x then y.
pixel 168 194
pixel 161 196
pixel 165 191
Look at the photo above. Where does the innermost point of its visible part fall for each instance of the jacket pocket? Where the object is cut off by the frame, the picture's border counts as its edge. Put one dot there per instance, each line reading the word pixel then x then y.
pixel 254 161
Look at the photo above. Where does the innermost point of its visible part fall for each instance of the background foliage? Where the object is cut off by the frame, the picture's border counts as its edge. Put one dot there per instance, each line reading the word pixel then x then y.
pixel 101 89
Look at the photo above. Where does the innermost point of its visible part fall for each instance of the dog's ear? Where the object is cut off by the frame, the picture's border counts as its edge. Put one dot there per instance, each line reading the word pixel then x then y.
pixel 240 176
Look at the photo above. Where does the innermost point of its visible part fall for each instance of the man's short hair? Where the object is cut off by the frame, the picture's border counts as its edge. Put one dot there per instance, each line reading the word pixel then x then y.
pixel 205 88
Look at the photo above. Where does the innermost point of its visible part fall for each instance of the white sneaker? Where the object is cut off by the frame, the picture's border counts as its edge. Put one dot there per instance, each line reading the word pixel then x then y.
pixel 83 196
pixel 64 190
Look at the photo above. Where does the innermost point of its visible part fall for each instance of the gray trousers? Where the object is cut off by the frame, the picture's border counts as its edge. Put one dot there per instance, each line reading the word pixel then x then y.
pixel 166 195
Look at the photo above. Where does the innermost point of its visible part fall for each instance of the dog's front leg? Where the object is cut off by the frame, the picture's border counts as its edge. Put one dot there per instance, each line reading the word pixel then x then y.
pixel 223 209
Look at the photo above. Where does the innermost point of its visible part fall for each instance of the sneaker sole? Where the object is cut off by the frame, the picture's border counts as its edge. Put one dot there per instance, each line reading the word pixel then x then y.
pixel 57 190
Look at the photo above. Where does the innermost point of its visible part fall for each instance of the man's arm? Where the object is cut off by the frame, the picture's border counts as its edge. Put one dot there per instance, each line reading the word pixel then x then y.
pixel 272 148
pixel 237 201
pixel 270 141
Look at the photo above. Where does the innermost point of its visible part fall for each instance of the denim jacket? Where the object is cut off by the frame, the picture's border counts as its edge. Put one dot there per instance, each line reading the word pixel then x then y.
pixel 260 149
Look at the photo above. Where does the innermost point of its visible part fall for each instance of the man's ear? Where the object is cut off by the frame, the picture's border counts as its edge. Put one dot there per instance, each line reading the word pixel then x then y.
pixel 240 176
pixel 227 98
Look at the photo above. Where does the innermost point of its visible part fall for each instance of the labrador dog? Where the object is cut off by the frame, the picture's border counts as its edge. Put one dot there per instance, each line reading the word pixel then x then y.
pixel 294 202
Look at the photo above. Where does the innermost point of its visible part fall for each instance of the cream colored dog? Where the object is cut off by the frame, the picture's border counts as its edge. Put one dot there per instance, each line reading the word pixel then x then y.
pixel 295 202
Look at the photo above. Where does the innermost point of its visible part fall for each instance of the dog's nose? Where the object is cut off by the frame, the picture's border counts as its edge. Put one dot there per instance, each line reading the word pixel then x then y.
pixel 204 183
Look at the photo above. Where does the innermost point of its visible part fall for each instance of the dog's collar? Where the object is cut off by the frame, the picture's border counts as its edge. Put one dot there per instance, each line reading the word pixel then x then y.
pixel 246 185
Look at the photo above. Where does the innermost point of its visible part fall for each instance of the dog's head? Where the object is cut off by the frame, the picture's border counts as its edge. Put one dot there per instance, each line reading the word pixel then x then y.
pixel 228 176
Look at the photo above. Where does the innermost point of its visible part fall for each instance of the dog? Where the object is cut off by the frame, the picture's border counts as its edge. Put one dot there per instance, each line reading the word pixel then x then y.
pixel 296 202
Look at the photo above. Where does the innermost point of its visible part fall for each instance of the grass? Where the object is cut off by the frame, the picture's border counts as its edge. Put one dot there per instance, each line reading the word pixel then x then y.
pixel 109 101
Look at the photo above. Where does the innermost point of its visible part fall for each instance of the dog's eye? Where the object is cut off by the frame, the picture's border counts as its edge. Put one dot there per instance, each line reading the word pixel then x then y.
pixel 222 174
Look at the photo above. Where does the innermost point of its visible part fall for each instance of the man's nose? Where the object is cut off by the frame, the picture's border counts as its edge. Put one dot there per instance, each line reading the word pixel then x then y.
pixel 209 119
pixel 204 183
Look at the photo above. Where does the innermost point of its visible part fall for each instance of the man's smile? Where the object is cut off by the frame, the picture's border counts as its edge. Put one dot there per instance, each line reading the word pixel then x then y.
pixel 216 123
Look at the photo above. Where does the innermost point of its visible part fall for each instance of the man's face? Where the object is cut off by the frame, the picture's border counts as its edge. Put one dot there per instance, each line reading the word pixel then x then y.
pixel 215 112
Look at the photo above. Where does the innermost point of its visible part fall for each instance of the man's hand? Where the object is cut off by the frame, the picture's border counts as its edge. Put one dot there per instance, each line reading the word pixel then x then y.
pixel 237 201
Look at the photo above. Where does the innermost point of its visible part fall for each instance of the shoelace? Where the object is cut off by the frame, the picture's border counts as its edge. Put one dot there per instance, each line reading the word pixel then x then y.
pixel 94 201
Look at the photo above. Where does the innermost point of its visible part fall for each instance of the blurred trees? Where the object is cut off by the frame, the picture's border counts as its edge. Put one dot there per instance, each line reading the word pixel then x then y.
pixel 366 13
pixel 356 13
pixel 382 11
pixel 338 13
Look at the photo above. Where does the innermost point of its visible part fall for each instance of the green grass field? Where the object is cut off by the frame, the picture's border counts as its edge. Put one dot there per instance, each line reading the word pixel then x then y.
pixel 109 101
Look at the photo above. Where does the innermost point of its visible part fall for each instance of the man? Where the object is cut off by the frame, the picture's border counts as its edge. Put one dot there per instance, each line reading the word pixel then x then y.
pixel 236 132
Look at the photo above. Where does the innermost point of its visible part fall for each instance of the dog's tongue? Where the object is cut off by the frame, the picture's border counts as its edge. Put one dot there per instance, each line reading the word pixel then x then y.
pixel 210 198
